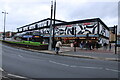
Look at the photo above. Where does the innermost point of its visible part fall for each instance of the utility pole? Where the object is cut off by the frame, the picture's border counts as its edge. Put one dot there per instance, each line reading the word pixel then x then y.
pixel 75 43
pixel 115 39
pixel 54 24
pixel 4 24
pixel 50 38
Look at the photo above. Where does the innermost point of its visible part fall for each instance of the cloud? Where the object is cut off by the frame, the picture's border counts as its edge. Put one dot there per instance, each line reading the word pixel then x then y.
pixel 29 11
pixel 22 13
pixel 95 9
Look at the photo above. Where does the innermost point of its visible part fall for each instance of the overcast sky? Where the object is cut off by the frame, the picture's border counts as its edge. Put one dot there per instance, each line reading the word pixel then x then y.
pixel 23 12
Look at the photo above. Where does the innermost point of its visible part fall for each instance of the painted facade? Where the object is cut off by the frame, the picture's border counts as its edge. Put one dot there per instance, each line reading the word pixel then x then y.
pixel 95 29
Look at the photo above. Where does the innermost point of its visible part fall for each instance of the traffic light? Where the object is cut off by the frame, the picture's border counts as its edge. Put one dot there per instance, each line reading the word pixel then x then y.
pixel 113 31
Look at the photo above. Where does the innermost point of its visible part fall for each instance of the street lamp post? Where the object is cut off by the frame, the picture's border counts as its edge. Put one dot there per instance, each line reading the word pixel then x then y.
pixel 115 39
pixel 75 43
pixel 4 24
pixel 54 25
pixel 50 38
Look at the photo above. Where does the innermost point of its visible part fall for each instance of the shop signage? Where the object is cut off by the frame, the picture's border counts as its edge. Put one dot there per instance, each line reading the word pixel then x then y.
pixel 36 36
pixel 27 36
pixel 82 38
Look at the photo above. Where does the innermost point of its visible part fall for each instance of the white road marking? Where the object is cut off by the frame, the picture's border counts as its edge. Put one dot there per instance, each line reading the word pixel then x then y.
pixel 12 75
pixel 90 67
pixel 58 63
pixel 4 77
pixel 20 56
pixel 73 66
pixel 15 76
pixel 87 67
pixel 32 58
pixel 1 69
pixel 111 70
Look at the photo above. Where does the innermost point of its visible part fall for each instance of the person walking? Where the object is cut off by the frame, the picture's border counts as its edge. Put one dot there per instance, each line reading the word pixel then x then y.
pixel 54 44
pixel 81 45
pixel 93 45
pixel 110 46
pixel 75 45
pixel 97 45
pixel 58 45
pixel 88 45
pixel 105 46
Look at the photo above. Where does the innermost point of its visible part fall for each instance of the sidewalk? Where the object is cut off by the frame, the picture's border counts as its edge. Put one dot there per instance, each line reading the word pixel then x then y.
pixel 89 54
pixel 93 54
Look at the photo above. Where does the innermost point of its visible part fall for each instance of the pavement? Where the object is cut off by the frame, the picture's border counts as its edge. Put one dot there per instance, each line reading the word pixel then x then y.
pixel 99 54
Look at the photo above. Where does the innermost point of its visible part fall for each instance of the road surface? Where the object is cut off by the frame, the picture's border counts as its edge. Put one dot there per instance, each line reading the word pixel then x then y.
pixel 39 65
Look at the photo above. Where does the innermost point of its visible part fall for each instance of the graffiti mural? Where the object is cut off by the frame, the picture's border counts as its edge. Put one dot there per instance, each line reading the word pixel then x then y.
pixel 82 28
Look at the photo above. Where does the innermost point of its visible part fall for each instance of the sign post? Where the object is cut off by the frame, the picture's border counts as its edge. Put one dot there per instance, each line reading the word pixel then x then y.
pixel 115 39
pixel 113 36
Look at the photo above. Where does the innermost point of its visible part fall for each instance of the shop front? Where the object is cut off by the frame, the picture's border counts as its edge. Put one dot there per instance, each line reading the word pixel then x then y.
pixel 81 31
pixel 69 40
